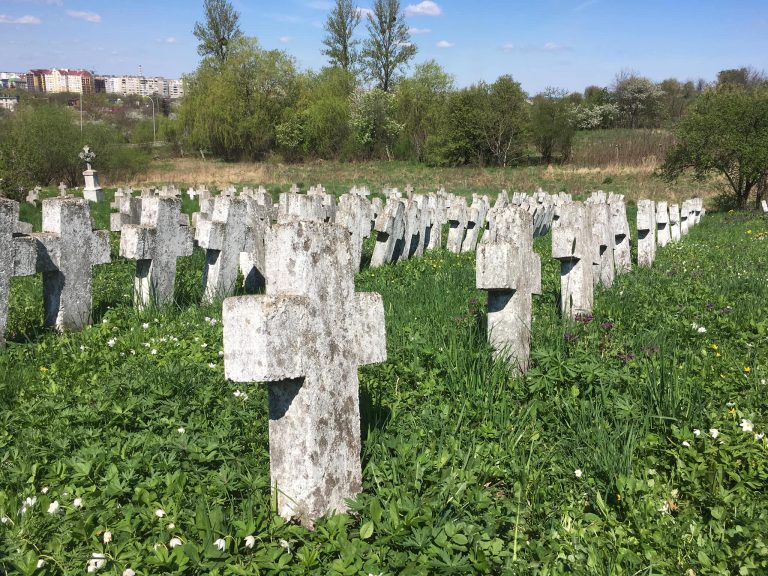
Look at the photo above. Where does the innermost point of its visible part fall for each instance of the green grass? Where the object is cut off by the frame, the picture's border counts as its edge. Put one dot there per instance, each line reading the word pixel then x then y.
pixel 467 469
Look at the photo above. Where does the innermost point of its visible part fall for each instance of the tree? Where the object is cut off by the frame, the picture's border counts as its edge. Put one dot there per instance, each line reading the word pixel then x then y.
pixel 553 124
pixel 372 116
pixel 741 78
pixel 638 99
pixel 233 109
pixel 726 132
pixel 389 46
pixel 421 102
pixel 220 29
pixel 504 118
pixel 341 49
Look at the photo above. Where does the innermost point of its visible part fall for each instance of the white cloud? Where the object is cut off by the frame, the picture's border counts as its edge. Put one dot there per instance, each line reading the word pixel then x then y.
pixel 84 15
pixel 20 20
pixel 508 47
pixel 553 47
pixel 170 40
pixel 424 8
pixel 286 39
pixel 419 30
pixel 365 12
pixel 445 44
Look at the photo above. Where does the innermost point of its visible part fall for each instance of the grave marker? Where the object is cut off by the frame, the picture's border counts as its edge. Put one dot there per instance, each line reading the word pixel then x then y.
pixel 646 232
pixel 306 338
pixel 663 232
pixel 572 245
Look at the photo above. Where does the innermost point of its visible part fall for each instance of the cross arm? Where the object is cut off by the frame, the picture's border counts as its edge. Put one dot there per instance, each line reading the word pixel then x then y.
pixel 137 242
pixel 370 337
pixel 505 266
pixel 262 337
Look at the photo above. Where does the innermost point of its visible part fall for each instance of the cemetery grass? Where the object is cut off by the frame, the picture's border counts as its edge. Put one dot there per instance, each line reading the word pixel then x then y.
pixel 633 446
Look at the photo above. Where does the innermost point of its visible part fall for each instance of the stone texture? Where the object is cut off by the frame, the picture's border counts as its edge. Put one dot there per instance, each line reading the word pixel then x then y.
pixel 674 222
pixel 354 214
pixel 129 212
pixel 685 210
pixel 458 217
pixel 155 244
pixel 390 227
pixel 603 265
pixel 259 210
pixel 572 245
pixel 475 222
pixel 92 190
pixel 223 237
pixel 306 207
pixel 663 233
pixel 622 249
pixel 9 215
pixel 510 270
pixel 646 232
pixel 306 337
pixel 406 248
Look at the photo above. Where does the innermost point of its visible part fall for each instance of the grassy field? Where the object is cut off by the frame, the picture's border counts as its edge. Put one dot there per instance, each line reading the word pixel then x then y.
pixel 634 181
pixel 633 446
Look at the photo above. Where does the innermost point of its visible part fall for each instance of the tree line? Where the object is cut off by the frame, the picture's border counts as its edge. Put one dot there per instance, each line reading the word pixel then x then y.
pixel 245 102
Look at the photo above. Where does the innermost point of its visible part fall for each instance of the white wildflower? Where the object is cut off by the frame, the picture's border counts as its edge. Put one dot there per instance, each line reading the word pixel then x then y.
pixel 53 508
pixel 159 512
pixel 171 526
pixel 284 544
pixel 82 348
pixel 145 326
pixel 697 432
pixel 129 572
pixel 250 541
pixel 4 520
pixel 175 541
pixel 111 342
pixel 181 430
pixel 220 544
pixel 714 432
pixel 77 503
pixel 97 562
pixel 107 537
pixel 701 330
pixel 686 444
pixel 746 425
pixel 40 563
pixel 211 365
pixel 44 490
pixel 221 353
pixel 153 352
pixel 578 473
pixel 760 436
pixel 204 345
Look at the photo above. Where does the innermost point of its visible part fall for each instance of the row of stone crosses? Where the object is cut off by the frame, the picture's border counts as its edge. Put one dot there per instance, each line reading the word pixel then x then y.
pixel 310 331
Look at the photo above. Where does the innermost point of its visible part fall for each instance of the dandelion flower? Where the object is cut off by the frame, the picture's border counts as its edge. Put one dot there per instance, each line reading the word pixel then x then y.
pixel 747 369
pixel 746 425
pixel 250 541
pixel 220 544
pixel 578 473
pixel 77 503
pixel 159 512
pixel 175 541
pixel 53 508
pixel 714 432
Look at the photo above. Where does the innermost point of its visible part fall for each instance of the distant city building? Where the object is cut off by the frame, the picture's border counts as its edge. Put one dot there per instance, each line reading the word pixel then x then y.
pixel 9 103
pixel 12 80
pixel 55 80
pixel 141 86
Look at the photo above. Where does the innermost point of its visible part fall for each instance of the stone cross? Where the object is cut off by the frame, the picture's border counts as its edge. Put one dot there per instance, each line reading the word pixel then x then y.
pixel 475 223
pixel 65 252
pixel 458 217
pixel 646 232
pixel 603 266
pixel 294 206
pixel 33 196
pixel 223 236
pixel 426 222
pixel 764 206
pixel 685 220
pixel 436 204
pixel 129 212
pixel 510 270
pixel 354 215
pixel 253 256
pixel 9 215
pixel 572 245
pixel 294 189
pixel 622 250
pixel 674 222
pixel 92 191
pixel 155 244
pixel 410 239
pixel 63 190
pixel 306 337
pixel 390 228
pixel 409 190
pixel 663 233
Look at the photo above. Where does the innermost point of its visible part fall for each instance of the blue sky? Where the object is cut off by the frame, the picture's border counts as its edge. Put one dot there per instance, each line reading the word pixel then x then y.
pixel 562 43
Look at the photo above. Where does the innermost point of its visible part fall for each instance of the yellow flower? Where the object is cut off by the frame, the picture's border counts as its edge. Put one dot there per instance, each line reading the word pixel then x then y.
pixel 732 411
pixel 717 354
pixel 749 231
pixel 714 346
pixel 43 369
pixel 747 369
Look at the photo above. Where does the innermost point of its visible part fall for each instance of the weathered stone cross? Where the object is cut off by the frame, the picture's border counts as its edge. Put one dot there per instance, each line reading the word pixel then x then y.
pixel 663 234
pixel 622 251
pixel 572 245
pixel 306 337
pixel 155 244
pixel 510 270
pixel 457 218
pixel 646 232
pixel 390 227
